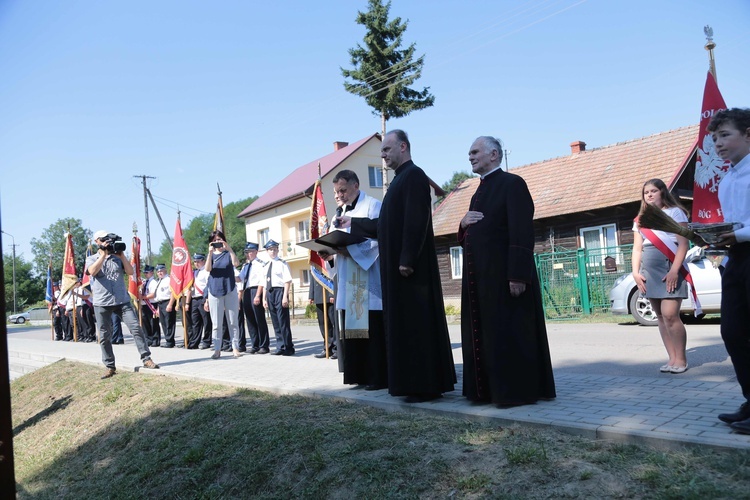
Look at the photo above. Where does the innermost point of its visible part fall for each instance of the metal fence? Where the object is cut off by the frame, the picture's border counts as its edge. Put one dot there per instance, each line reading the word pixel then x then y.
pixel 577 282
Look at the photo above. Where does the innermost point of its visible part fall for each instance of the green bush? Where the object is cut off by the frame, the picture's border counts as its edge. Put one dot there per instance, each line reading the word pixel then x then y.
pixel 451 310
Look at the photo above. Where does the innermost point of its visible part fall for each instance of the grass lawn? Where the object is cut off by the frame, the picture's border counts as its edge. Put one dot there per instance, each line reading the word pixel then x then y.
pixel 139 436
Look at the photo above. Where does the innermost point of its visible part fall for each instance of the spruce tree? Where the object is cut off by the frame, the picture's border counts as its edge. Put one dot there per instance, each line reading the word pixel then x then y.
pixel 383 70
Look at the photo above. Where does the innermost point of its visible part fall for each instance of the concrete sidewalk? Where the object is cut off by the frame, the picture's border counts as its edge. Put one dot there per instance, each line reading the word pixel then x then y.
pixel 608 384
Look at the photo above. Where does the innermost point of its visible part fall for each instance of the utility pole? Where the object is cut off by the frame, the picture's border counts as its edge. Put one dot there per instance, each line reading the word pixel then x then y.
pixel 14 271
pixel 145 209
pixel 158 216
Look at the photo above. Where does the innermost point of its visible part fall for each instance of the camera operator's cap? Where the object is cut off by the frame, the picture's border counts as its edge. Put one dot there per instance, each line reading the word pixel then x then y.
pixel 251 246
pixel 199 256
pixel 100 234
pixel 148 269
pixel 159 267
pixel 270 244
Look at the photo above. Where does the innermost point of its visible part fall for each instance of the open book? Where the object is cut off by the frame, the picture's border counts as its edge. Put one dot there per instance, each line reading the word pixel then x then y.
pixel 329 242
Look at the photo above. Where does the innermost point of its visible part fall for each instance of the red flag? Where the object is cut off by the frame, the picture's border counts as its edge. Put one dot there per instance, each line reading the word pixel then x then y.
pixel 181 275
pixel 86 278
pixel 135 283
pixel 709 167
pixel 69 274
pixel 318 227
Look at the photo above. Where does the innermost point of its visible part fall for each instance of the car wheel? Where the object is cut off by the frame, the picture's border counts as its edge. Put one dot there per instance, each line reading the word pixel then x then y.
pixel 640 308
pixel 21 320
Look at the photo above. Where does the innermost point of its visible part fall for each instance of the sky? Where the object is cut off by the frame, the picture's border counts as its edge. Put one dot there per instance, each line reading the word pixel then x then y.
pixel 94 95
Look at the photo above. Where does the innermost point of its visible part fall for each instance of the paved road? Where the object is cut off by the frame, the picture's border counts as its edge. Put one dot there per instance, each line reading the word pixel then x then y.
pixel 607 378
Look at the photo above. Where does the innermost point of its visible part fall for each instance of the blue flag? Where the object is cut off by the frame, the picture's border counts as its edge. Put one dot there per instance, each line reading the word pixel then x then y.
pixel 49 295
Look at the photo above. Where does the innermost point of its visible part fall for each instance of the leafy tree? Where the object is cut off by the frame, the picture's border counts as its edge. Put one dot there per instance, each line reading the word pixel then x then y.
pixel 383 71
pixel 51 244
pixel 29 289
pixel 458 178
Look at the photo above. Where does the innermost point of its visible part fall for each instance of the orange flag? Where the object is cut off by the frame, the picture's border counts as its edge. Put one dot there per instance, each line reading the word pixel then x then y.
pixel 181 275
pixel 69 274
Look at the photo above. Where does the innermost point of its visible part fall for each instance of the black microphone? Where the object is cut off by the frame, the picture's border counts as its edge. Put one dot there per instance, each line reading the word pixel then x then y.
pixel 339 211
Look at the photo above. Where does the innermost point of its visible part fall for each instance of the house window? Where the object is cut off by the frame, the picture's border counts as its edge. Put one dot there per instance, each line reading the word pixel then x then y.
pixel 303 230
pixel 305 277
pixel 457 262
pixel 263 237
pixel 600 241
pixel 376 176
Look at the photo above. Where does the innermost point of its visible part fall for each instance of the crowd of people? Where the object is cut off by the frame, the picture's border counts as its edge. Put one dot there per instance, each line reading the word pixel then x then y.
pixel 386 324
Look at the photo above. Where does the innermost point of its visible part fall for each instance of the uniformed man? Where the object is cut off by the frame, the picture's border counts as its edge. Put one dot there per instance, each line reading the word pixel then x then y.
pixel 149 316
pixel 253 280
pixel 200 333
pixel 276 298
pixel 57 311
pixel 164 302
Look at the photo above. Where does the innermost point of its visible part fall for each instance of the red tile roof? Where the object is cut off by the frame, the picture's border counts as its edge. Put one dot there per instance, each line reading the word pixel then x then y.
pixel 302 179
pixel 597 178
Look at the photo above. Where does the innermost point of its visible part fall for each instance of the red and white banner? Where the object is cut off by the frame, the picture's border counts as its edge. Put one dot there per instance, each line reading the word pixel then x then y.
pixel 181 275
pixel 318 227
pixel 709 167
pixel 134 286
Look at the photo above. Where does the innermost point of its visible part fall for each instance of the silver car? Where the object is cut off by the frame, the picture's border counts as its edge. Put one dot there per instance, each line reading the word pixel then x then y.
pixel 625 298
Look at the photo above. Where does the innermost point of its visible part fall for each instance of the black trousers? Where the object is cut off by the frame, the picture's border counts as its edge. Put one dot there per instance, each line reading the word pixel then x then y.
pixel 150 326
pixel 332 330
pixel 256 320
pixel 735 313
pixel 67 325
pixel 280 319
pixel 200 322
pixel 167 320
pixel 57 321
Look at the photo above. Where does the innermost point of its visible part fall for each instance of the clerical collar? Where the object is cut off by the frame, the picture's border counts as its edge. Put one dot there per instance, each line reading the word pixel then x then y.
pixel 349 208
pixel 490 172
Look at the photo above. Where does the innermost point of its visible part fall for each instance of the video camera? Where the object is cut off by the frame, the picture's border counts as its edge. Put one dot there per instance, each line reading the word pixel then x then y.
pixel 112 243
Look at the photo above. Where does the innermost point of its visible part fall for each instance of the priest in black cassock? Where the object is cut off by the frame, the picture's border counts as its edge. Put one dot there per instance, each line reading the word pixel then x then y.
pixel 503 334
pixel 420 361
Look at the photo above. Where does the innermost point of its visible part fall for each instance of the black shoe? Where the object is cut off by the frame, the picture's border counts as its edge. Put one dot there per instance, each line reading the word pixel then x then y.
pixel 168 346
pixel 740 415
pixel 743 426
pixel 333 355
pixel 279 352
pixel 421 398
pixel 263 351
pixel 242 349
pixel 204 346
pixel 287 352
pixel 254 350
pixel 118 342
pixel 154 345
pixel 227 349
pixel 321 355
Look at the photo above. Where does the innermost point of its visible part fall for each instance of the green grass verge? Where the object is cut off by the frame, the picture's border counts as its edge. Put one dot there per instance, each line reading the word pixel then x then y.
pixel 139 436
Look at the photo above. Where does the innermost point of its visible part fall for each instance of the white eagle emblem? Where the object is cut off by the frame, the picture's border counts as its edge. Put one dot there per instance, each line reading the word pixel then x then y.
pixel 709 167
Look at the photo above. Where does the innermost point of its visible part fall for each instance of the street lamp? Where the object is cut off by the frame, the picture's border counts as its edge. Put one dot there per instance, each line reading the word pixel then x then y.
pixel 14 271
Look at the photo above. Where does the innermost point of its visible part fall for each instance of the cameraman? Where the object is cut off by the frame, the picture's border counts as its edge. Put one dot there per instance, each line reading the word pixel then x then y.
pixel 110 295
